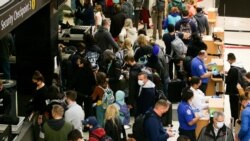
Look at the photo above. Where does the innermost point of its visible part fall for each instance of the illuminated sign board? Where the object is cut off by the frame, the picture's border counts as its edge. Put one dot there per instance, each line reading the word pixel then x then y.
pixel 19 13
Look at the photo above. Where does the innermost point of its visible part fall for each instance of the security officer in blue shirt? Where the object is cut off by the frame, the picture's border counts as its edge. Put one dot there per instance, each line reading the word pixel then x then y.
pixel 186 116
pixel 199 69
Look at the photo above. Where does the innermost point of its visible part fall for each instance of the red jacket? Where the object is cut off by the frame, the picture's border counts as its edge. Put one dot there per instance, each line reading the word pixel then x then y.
pixel 96 133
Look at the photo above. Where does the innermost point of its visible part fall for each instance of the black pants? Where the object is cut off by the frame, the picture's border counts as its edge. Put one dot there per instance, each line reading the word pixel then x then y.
pixel 189 133
pixel 234 105
pixel 203 87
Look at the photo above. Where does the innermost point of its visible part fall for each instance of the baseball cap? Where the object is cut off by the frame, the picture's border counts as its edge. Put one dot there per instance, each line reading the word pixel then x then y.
pixel 91 121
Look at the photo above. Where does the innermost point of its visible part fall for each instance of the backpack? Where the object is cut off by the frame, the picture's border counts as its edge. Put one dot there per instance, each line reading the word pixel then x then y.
pixel 138 4
pixel 159 6
pixel 138 127
pixel 103 138
pixel 241 74
pixel 108 98
pixel 186 27
pixel 124 113
pixel 177 4
pixel 92 57
pixel 178 46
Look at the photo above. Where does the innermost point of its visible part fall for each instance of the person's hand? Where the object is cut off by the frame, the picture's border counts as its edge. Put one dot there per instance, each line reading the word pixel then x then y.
pixel 130 106
pixel 170 133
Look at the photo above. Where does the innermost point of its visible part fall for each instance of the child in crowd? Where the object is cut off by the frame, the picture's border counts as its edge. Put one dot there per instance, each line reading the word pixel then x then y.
pixel 122 107
pixel 96 132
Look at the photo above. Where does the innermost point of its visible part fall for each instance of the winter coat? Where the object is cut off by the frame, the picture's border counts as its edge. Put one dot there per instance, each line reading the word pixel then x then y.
pixel 114 130
pixel 232 79
pixel 57 130
pixel 133 85
pixel 202 22
pixel 154 128
pixel 207 134
pixel 104 39
pixel 244 134
pixel 117 22
pixel 146 98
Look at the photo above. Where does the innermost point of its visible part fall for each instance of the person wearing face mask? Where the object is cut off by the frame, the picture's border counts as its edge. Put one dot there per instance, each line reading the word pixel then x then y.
pixel 133 86
pixel 186 116
pixel 199 69
pixel 199 102
pixel 244 134
pixel 153 125
pixel 146 95
pixel 216 130
pixel 37 106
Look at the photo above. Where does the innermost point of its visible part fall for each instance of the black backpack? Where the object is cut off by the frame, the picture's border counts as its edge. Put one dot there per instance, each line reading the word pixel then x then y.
pixel 138 127
pixel 241 74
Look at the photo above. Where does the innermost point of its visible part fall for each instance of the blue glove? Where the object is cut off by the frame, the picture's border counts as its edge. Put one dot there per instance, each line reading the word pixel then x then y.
pixel 215 72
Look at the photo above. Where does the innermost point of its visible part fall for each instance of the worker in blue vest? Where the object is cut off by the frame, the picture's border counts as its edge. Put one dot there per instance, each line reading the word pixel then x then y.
pixel 199 69
pixel 187 117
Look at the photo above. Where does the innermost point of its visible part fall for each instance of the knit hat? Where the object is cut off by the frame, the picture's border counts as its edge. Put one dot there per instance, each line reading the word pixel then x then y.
pixel 91 121
pixel 119 96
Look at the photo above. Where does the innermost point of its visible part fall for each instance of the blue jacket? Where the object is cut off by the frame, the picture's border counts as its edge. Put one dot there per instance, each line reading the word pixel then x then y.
pixel 172 18
pixel 185 115
pixel 154 128
pixel 198 68
pixel 244 134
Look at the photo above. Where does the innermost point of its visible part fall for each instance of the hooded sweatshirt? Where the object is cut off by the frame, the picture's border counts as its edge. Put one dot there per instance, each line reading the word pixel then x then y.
pixel 232 78
pixel 202 22
pixel 146 98
pixel 57 130
pixel 104 39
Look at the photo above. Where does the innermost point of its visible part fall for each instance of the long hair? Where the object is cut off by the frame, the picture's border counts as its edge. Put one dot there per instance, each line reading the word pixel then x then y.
pixel 112 114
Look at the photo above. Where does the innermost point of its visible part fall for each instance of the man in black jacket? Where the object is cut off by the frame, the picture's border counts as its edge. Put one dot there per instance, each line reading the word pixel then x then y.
pixel 133 86
pixel 233 81
pixel 103 37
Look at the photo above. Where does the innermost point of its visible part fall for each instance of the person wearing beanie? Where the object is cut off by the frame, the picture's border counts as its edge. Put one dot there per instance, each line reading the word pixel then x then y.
pixel 158 62
pixel 95 130
pixel 122 107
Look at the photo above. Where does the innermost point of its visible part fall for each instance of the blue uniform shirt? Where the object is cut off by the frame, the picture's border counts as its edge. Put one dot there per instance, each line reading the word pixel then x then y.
pixel 198 68
pixel 185 115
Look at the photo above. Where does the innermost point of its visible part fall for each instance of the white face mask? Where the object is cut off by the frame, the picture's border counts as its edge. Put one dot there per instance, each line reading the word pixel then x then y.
pixel 219 124
pixel 140 82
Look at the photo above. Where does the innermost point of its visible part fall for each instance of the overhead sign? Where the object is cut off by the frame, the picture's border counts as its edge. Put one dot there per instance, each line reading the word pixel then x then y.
pixel 19 13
